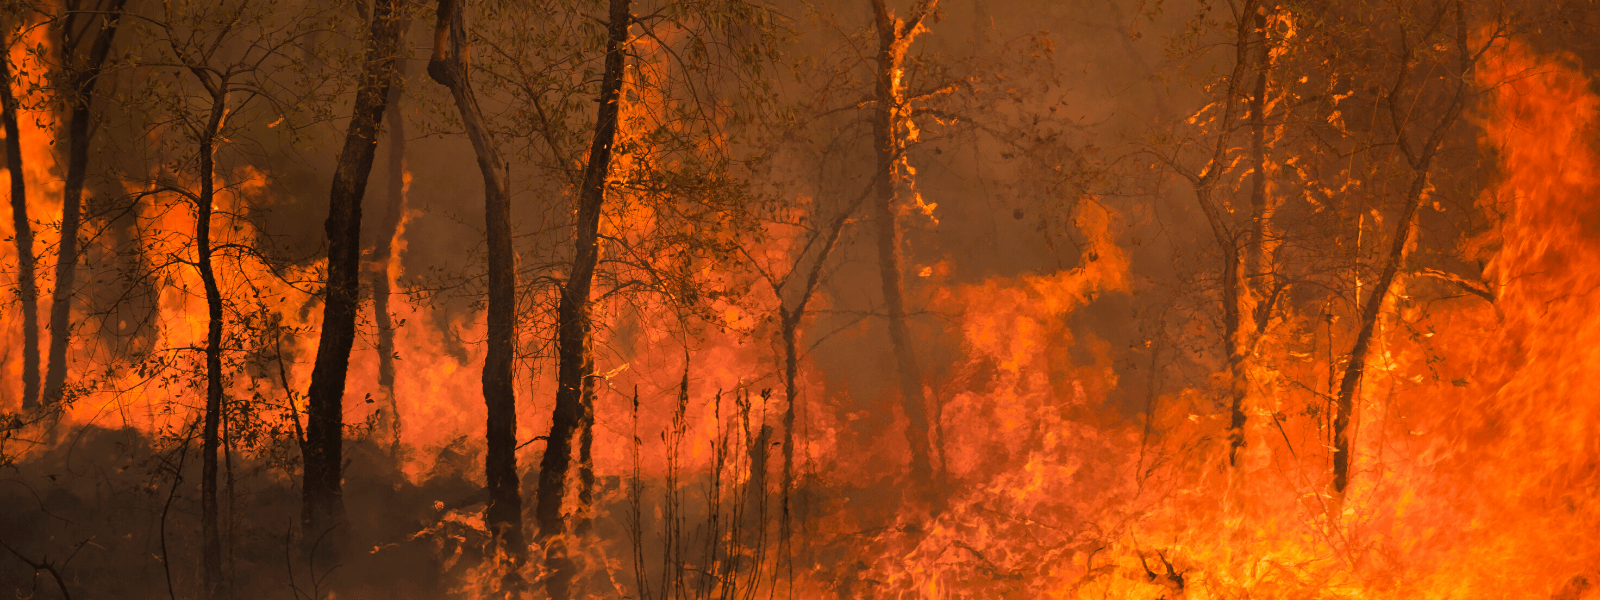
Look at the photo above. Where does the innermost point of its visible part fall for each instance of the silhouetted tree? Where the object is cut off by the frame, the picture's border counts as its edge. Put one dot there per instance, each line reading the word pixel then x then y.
pixel 27 283
pixel 94 21
pixel 573 325
pixel 323 509
pixel 448 67
pixel 891 113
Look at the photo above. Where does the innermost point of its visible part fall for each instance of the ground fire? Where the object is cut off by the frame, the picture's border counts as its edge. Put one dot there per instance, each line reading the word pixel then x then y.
pixel 673 299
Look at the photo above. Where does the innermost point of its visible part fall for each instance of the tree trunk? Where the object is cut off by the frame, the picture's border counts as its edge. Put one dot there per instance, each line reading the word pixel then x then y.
pixel 573 313
pixel 1234 315
pixel 504 514
pixel 383 254
pixel 231 533
pixel 83 81
pixel 1420 161
pixel 891 111
pixel 1234 308
pixel 791 374
pixel 27 284
pixel 751 518
pixel 1244 322
pixel 1256 256
pixel 211 553
pixel 789 323
pixel 1348 385
pixel 322 511
pixel 584 514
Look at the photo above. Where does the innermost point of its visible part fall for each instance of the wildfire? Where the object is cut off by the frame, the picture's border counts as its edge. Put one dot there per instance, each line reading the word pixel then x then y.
pixel 1476 455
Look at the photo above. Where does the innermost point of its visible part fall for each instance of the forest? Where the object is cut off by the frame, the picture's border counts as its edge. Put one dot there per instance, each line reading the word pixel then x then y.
pixel 740 299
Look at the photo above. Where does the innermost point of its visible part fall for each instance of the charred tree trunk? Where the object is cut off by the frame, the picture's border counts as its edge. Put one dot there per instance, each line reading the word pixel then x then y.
pixel 1421 161
pixel 27 283
pixel 83 80
pixel 1234 315
pixel 322 510
pixel 789 326
pixel 790 323
pixel 211 552
pixel 1246 266
pixel 890 112
pixel 448 67
pixel 1234 308
pixel 573 313
pixel 584 524
pixel 1256 256
pixel 383 254
pixel 1349 384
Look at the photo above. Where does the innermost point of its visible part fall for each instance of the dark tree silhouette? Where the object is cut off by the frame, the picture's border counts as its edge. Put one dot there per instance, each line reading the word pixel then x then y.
pixel 447 67
pixel 573 314
pixel 323 508
pixel 83 78
pixel 26 281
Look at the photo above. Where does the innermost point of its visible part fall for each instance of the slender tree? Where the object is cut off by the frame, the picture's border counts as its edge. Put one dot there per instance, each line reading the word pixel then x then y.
pixel 383 252
pixel 197 43
pixel 323 507
pixel 891 112
pixel 1252 252
pixel 790 315
pixel 573 313
pixel 795 286
pixel 27 284
pixel 448 67
pixel 1237 315
pixel 1260 217
pixel 99 19
pixel 584 514
pixel 1398 99
pixel 211 552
